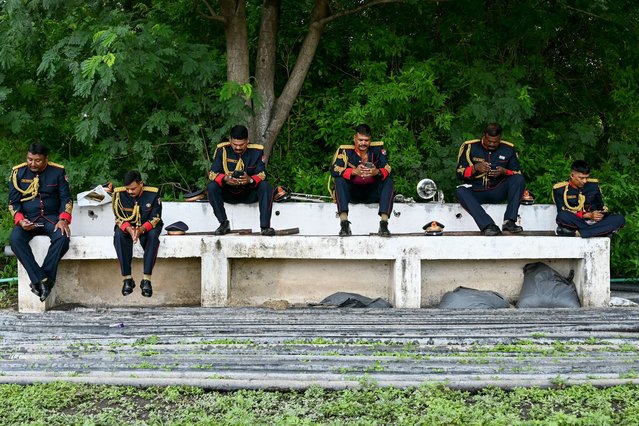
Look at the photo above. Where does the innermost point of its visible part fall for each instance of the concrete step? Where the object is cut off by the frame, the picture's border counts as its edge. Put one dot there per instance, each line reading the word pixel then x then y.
pixel 233 348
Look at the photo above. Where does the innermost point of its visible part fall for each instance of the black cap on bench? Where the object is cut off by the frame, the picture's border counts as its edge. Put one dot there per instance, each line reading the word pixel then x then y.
pixel 177 228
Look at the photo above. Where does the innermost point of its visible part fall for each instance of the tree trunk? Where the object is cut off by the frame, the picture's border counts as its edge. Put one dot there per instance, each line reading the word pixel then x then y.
pixel 281 107
pixel 265 66
pixel 237 48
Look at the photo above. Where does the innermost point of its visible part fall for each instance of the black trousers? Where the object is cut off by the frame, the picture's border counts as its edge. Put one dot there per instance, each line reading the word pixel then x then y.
pixel 59 246
pixel 123 243
pixel 263 194
pixel 609 224
pixel 511 189
pixel 381 191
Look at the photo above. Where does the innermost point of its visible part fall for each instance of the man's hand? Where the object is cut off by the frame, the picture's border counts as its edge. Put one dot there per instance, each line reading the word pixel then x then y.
pixel 137 232
pixel 63 226
pixel 27 225
pixel 365 172
pixel 481 167
pixel 243 180
pixel 133 232
pixel 595 215
pixel 498 171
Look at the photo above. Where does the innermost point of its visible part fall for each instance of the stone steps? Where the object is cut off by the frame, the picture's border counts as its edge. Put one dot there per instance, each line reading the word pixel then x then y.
pixel 233 348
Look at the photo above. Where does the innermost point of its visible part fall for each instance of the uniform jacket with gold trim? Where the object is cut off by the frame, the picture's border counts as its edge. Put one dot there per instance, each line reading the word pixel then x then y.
pixel 347 158
pixel 578 201
pixel 226 161
pixel 145 210
pixel 473 151
pixel 41 194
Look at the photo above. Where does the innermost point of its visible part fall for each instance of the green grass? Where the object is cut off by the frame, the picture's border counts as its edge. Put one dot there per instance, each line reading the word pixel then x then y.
pixel 71 404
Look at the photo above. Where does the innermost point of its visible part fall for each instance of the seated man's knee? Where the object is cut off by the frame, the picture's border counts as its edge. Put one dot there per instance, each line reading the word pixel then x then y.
pixel 461 192
pixel 213 188
pixel 15 237
pixel 518 179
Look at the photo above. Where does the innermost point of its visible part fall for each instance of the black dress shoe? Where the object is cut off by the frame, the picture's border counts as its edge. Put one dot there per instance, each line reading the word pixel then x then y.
pixel 268 231
pixel 565 232
pixel 36 288
pixel 147 290
pixel 491 231
pixel 224 228
pixel 47 286
pixel 345 228
pixel 511 226
pixel 383 229
pixel 127 286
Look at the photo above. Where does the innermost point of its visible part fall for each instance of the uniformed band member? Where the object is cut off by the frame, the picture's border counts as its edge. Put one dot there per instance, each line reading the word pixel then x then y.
pixel 40 203
pixel 238 176
pixel 489 168
pixel 138 217
pixel 580 206
pixel 362 175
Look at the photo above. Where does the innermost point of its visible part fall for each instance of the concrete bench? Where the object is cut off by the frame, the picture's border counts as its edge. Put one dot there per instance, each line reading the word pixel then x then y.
pixel 410 270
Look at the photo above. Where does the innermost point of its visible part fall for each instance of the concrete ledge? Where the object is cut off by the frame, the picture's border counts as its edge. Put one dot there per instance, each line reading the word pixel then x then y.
pixel 409 271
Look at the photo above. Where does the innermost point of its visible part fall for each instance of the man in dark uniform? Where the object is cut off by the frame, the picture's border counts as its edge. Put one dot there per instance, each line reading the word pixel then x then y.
pixel 238 175
pixel 40 202
pixel 362 175
pixel 489 168
pixel 580 207
pixel 138 217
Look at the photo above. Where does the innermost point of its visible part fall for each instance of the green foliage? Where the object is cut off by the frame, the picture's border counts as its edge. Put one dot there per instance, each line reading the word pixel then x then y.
pixel 63 403
pixel 112 86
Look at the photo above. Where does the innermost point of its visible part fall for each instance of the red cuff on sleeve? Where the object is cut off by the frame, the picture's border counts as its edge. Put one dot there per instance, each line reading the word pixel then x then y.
pixel 147 226
pixel 17 218
pixel 384 173
pixel 256 179
pixel 579 214
pixel 66 216
pixel 220 178
pixel 468 172
pixel 347 173
pixel 509 172
pixel 124 226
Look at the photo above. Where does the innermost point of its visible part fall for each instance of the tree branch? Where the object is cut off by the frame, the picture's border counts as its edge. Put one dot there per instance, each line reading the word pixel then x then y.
pixel 356 10
pixel 212 16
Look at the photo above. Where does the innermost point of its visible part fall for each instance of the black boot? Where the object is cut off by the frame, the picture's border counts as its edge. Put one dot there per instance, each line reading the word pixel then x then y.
pixel 268 231
pixel 511 226
pixel 36 288
pixel 491 231
pixel 345 228
pixel 224 228
pixel 47 286
pixel 127 286
pixel 147 290
pixel 565 232
pixel 383 229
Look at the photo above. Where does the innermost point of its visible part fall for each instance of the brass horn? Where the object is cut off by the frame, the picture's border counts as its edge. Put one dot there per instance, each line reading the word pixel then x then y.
pixel 427 189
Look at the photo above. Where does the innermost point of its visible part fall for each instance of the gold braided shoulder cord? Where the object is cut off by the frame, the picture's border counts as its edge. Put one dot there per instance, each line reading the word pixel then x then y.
pixel 239 166
pixel 135 215
pixel 580 205
pixel 32 190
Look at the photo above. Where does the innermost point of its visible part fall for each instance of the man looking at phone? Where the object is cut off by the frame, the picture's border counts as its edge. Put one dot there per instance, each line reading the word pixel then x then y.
pixel 40 203
pixel 580 207
pixel 138 217
pixel 362 175
pixel 238 175
pixel 489 168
